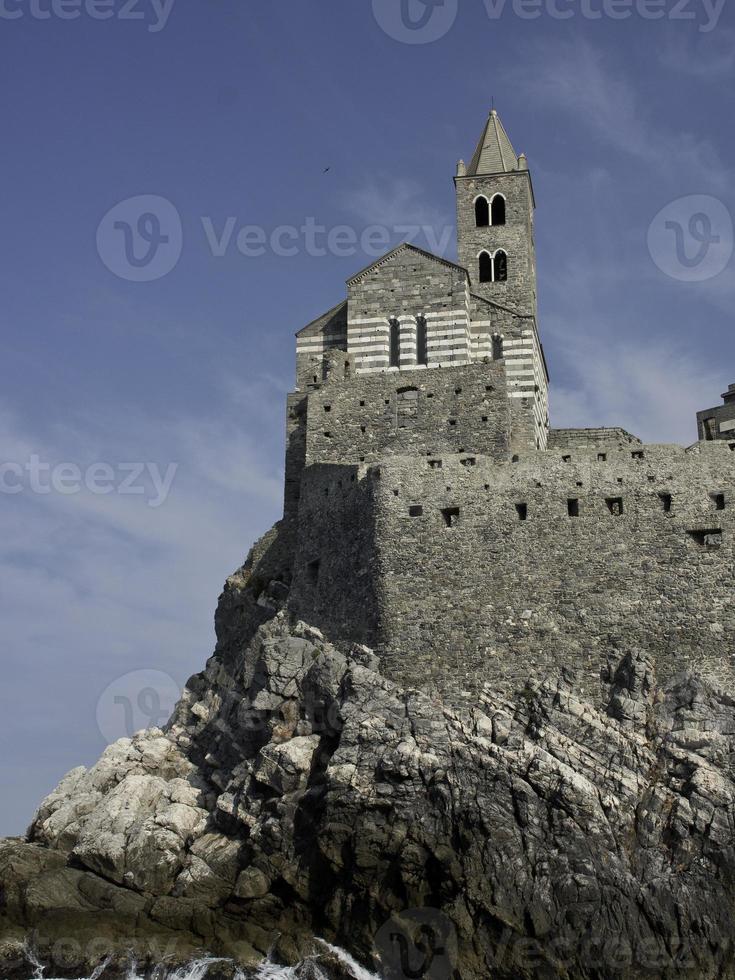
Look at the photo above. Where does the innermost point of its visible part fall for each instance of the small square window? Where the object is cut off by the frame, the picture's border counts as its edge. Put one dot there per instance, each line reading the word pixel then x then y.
pixel 566 459
pixel 362 404
pixel 638 454
pixel 435 464
pixel 327 408
pixel 602 457
pixel 484 418
pixel 452 421
pixel 615 506
pixel 327 435
pixel 469 461
pixel 416 511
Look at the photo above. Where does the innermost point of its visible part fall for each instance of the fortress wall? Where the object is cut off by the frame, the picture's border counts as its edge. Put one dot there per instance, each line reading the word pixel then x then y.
pixel 461 408
pixel 493 595
pixel 603 438
pixel 335 572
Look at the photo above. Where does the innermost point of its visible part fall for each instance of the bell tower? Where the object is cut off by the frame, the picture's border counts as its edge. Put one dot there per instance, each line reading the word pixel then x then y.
pixel 495 206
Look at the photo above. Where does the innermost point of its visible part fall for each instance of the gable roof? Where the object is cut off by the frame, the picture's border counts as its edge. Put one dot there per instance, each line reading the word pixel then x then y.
pixel 336 318
pixel 405 246
pixel 494 153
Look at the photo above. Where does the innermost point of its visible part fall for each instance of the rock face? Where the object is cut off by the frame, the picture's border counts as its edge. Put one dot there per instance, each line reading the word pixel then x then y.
pixel 298 793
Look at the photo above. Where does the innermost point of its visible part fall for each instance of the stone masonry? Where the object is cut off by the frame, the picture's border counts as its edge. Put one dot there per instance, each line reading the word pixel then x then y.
pixel 433 513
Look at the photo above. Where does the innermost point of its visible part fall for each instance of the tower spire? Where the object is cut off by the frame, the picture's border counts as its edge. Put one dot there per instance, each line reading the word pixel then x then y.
pixel 494 153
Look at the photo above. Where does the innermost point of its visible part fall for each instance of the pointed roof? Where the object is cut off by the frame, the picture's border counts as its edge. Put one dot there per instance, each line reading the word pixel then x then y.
pixel 405 246
pixel 494 153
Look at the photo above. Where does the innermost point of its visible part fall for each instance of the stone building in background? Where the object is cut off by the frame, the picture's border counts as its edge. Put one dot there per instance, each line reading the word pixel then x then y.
pixel 433 513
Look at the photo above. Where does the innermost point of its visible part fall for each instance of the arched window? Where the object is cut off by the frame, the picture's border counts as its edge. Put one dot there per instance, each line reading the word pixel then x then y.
pixel 497 210
pixel 482 212
pixel 395 343
pixel 422 341
pixel 500 263
pixel 486 267
pixel 497 347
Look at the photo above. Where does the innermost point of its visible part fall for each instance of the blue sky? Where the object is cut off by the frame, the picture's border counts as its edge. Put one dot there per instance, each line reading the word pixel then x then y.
pixel 234 111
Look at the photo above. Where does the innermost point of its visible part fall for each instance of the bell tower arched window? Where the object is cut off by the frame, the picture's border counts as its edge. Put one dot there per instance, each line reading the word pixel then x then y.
pixel 500 263
pixel 422 341
pixel 482 212
pixel 486 267
pixel 394 343
pixel 497 210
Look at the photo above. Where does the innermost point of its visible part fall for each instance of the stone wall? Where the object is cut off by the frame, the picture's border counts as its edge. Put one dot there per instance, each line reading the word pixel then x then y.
pixel 335 567
pixel 485 574
pixel 421 412
pixel 515 237
pixel 477 572
pixel 607 438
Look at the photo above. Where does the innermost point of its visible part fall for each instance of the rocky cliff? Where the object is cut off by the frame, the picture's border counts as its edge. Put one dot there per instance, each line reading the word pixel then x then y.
pixel 298 793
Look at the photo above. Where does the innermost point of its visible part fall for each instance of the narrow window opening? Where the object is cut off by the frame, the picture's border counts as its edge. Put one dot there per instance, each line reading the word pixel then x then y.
pixel 452 421
pixel 498 210
pixel 486 267
pixel 395 343
pixel 395 493
pixel 451 516
pixel 362 404
pixel 516 459
pixel 522 511
pixel 484 418
pixel 732 447
pixel 312 571
pixel 573 507
pixel 416 511
pixel 482 212
pixel 363 429
pixel 327 435
pixel 500 266
pixel 497 350
pixel 327 408
pixel 566 459
pixel 602 457
pixel 615 506
pixel 666 502
pixel 718 499
pixel 422 341
pixel 709 429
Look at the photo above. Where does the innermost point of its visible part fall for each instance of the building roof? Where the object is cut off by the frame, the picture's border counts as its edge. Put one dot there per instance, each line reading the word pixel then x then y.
pixel 494 153
pixel 401 248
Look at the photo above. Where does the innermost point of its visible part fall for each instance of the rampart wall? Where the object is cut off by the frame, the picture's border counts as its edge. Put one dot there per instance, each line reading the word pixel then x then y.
pixel 483 572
